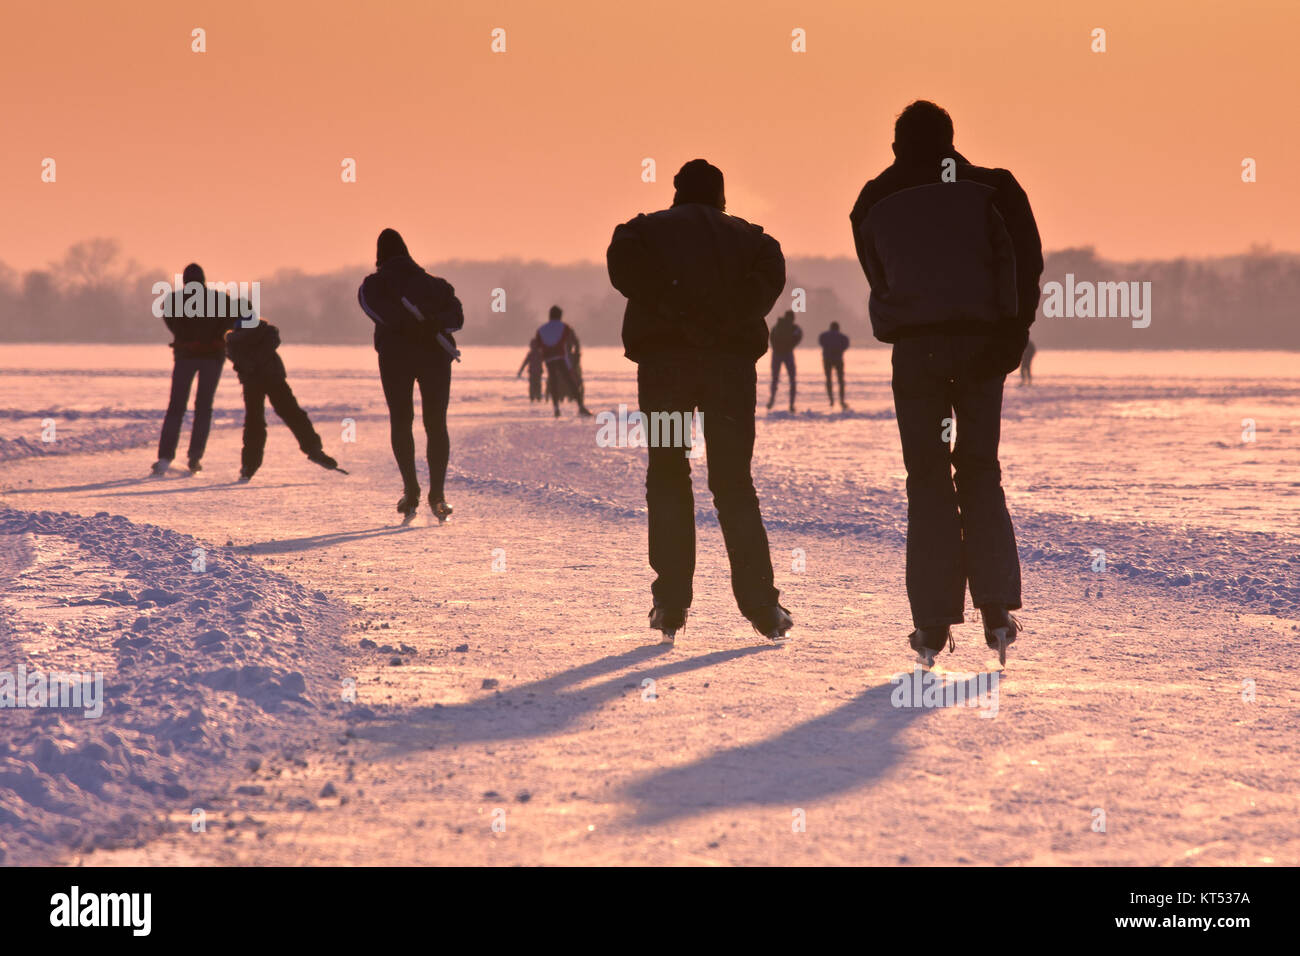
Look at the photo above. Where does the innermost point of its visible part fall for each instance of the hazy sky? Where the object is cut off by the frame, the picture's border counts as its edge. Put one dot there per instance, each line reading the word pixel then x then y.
pixel 232 157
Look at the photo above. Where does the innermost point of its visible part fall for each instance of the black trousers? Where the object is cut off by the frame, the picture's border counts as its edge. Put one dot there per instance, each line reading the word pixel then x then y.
pixel 562 383
pixel 786 359
pixel 184 371
pixel 836 366
pixel 282 399
pixel 399 372
pixel 723 388
pixel 958 528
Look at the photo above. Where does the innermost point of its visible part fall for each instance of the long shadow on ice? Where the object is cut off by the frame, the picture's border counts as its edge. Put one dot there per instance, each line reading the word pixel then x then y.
pixel 851 746
pixel 289 545
pixel 536 709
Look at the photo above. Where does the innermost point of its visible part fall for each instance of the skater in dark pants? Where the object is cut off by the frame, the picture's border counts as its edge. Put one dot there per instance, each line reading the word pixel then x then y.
pixel 786 336
pixel 834 344
pixel 252 346
pixel 699 283
pixel 415 315
pixel 1027 363
pixel 954 265
pixel 533 362
pixel 558 344
pixel 198 320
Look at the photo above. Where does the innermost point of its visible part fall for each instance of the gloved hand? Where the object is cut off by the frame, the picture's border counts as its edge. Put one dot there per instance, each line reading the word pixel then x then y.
pixel 1001 356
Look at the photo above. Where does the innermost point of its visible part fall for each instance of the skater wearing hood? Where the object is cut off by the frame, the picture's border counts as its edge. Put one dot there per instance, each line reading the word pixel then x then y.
pixel 834 344
pixel 415 315
pixel 786 336
pixel 198 320
pixel 252 346
pixel 699 283
pixel 953 256
pixel 558 344
pixel 533 362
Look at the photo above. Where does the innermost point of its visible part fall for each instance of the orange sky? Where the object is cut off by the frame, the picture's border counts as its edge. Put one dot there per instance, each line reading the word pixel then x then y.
pixel 232 157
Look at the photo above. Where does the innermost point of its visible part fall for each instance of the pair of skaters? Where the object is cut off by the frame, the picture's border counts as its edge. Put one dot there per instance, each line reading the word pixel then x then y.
pixel 414 315
pixel 699 282
pixel 208 326
pixel 786 336
pixel 555 347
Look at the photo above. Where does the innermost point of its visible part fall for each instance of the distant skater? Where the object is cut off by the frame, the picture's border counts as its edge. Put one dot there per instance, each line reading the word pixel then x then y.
pixel 699 283
pixel 834 344
pixel 786 336
pixel 415 315
pixel 1026 363
pixel 253 353
pixel 954 266
pixel 559 347
pixel 533 362
pixel 198 320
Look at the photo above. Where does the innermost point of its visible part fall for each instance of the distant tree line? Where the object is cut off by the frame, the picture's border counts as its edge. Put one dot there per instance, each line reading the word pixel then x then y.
pixel 95 294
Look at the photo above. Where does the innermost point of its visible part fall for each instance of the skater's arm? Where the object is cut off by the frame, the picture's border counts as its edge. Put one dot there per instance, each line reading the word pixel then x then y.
pixel 633 270
pixel 1013 205
pixel 766 278
pixel 444 308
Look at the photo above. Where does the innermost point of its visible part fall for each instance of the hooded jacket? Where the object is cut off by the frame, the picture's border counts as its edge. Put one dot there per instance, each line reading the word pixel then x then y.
pixel 410 307
pixel 786 336
pixel 960 256
pixel 253 353
pixel 199 334
pixel 696 279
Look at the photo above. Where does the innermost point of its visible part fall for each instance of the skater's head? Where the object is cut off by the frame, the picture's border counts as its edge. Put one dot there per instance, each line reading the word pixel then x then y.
pixel 835 326
pixel 923 131
pixel 390 246
pixel 555 313
pixel 194 273
pixel 699 181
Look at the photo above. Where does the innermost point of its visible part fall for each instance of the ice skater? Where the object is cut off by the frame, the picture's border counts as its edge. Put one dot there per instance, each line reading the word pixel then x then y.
pixel 1027 362
pixel 253 346
pixel 533 362
pixel 560 351
pixel 699 283
pixel 786 336
pixel 954 268
pixel 834 344
pixel 415 315
pixel 198 319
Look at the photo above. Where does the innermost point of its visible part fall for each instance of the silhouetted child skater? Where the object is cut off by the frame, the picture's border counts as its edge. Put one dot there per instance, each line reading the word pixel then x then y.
pixel 252 352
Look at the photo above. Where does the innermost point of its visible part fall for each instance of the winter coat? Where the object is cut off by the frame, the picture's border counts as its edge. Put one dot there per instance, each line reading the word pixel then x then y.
pixel 199 335
pixel 696 279
pixel 410 308
pixel 961 256
pixel 253 353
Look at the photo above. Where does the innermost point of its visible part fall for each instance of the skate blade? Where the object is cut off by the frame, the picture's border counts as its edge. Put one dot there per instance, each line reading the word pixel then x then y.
pixel 668 639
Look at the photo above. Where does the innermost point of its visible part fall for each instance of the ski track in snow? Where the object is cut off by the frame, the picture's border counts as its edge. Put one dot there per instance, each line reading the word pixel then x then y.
pixel 199 668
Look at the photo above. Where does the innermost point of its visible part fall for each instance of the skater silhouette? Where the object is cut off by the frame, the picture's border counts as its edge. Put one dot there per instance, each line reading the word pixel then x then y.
pixel 786 336
pixel 834 344
pixel 533 362
pixel 415 315
pixel 558 344
pixel 1027 362
pixel 253 353
pixel 953 256
pixel 198 318
pixel 699 283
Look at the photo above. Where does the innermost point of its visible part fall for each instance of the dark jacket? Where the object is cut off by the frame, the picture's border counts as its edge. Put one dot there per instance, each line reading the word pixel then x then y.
pixel 834 345
pixel 199 334
pixel 410 307
pixel 786 336
pixel 696 279
pixel 253 353
pixel 962 256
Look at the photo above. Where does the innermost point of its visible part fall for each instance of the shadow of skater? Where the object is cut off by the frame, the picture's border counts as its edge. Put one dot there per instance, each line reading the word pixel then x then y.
pixel 540 708
pixel 855 744
pixel 290 545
